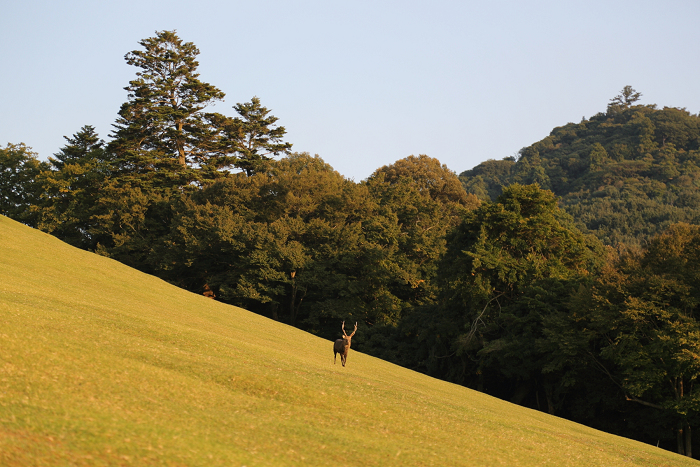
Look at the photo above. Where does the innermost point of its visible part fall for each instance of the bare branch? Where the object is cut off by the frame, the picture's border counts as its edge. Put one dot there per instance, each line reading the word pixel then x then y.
pixel 639 401
pixel 478 320
pixel 604 369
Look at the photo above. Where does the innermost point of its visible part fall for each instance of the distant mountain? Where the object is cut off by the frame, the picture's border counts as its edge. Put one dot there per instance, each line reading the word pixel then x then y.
pixel 625 174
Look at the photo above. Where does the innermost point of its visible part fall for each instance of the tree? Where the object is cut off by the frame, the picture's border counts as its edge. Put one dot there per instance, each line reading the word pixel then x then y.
pixel 71 189
pixel 19 190
pixel 256 135
pixel 84 147
pixel 486 180
pixel 429 177
pixel 625 99
pixel 598 156
pixel 676 126
pixel 508 266
pixel 626 175
pixel 428 200
pixel 162 130
pixel 521 237
pixel 164 144
pixel 297 242
pixel 644 313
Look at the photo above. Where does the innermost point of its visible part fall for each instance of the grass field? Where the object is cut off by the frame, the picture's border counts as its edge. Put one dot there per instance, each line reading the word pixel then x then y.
pixel 103 365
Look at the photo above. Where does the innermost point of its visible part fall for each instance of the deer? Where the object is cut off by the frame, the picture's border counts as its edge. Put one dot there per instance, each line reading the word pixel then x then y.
pixel 342 346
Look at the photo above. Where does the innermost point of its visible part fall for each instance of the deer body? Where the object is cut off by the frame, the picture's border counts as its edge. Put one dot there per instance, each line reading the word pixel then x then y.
pixel 342 346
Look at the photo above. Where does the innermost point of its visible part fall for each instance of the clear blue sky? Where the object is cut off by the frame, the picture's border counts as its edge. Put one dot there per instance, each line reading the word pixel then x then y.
pixel 360 83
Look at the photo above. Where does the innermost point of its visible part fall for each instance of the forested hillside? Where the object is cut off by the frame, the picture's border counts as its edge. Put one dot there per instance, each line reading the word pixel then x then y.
pixel 625 174
pixel 565 281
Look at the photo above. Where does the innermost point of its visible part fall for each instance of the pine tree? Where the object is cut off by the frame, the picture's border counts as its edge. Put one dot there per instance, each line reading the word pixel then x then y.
pixel 257 137
pixel 164 144
pixel 83 147
pixel 71 189
pixel 162 132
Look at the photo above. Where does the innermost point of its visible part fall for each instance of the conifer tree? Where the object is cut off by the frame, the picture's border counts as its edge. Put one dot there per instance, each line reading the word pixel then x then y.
pixel 162 132
pixel 256 135
pixel 83 147
pixel 72 187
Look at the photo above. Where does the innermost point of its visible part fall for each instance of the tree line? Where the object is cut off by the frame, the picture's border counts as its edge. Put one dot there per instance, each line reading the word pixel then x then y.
pixel 487 281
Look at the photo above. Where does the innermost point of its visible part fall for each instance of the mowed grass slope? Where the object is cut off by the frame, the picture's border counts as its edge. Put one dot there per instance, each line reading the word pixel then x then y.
pixel 103 365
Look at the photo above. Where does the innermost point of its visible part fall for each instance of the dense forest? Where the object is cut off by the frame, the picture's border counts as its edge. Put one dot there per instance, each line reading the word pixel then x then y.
pixel 565 279
pixel 625 175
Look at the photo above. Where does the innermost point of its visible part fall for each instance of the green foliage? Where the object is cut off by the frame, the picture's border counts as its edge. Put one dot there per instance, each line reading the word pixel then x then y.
pixel 640 319
pixel 522 237
pixel 428 201
pixel 166 146
pixel 486 180
pixel 624 100
pixel 19 168
pixel 625 175
pixel 509 266
pixel 71 189
pixel 300 243
pixel 297 242
pixel 257 136
pixel 162 132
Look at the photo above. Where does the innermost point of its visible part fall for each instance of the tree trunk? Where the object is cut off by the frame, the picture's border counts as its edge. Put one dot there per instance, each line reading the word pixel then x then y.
pixel 480 382
pixel 548 392
pixel 684 439
pixel 292 308
pixel 182 160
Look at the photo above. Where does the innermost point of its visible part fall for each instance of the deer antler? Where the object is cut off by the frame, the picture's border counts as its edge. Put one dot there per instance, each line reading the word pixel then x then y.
pixel 343 328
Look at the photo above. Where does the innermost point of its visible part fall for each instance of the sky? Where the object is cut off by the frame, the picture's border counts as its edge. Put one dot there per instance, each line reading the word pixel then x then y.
pixel 360 83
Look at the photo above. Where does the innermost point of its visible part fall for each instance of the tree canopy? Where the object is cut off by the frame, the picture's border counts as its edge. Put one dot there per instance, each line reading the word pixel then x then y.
pixel 19 168
pixel 163 129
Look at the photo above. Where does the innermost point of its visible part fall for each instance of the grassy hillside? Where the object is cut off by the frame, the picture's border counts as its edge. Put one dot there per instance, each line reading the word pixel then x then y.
pixel 103 365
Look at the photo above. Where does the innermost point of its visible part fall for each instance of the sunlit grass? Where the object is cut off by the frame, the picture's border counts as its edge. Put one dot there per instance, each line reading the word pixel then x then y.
pixel 103 365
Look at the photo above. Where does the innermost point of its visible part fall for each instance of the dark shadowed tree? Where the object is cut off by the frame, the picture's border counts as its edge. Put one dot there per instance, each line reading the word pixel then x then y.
pixel 508 266
pixel 641 320
pixel 19 190
pixel 71 189
pixel 164 144
pixel 297 242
